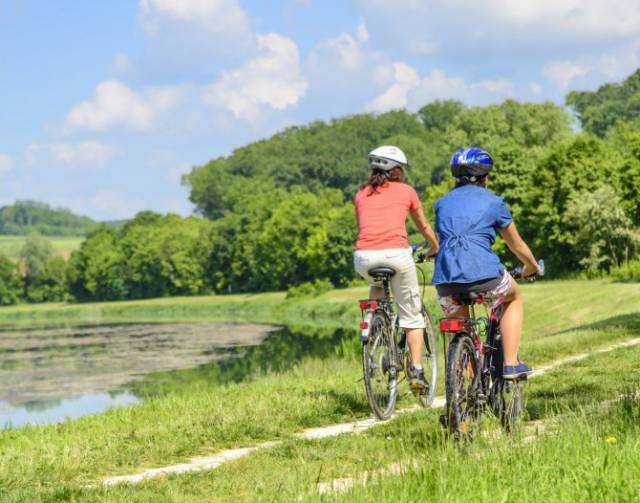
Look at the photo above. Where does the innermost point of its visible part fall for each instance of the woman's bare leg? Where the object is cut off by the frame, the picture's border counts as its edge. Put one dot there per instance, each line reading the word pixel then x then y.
pixel 414 339
pixel 511 324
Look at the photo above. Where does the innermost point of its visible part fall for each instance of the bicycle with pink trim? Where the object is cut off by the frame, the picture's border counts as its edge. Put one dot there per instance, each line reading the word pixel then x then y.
pixel 473 375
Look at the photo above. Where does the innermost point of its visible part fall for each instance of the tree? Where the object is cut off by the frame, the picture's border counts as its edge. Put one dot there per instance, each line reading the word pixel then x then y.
pixel 440 114
pixel 97 271
pixel 11 287
pixel 611 104
pixel 35 254
pixel 50 285
pixel 601 234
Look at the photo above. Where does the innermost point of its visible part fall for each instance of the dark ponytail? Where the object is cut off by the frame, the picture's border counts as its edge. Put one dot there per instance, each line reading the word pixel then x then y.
pixel 381 177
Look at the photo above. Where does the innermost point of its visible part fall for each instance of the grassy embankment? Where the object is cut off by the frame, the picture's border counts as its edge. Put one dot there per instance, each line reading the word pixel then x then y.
pixel 57 461
pixel 10 246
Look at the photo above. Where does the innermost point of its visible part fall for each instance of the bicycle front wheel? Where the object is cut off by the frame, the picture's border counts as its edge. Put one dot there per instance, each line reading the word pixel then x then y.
pixel 379 367
pixel 429 361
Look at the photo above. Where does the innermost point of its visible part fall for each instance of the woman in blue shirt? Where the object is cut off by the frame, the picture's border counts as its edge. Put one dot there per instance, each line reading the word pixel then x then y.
pixel 467 219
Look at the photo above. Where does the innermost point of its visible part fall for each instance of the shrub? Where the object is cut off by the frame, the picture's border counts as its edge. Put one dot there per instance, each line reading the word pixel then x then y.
pixel 309 289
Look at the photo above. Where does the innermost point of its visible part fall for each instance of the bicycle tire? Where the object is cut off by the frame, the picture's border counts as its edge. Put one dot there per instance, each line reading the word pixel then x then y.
pixel 378 365
pixel 508 400
pixel 429 359
pixel 461 386
pixel 507 397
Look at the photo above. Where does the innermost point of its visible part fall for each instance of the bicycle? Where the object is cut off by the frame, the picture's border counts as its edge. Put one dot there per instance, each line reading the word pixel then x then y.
pixel 385 353
pixel 473 374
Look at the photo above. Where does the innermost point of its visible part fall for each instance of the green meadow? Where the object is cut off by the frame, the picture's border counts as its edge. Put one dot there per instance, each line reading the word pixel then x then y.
pixel 189 413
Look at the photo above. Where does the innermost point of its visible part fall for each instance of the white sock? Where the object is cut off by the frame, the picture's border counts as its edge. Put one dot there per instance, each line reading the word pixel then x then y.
pixel 417 367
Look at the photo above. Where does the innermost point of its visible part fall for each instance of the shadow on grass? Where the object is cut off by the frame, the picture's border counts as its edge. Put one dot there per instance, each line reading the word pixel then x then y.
pixel 629 321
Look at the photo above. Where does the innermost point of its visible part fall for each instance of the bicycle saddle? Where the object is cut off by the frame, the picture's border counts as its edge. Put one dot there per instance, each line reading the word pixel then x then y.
pixel 466 298
pixel 378 272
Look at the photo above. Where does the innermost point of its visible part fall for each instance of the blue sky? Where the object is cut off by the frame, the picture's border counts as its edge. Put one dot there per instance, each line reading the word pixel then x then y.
pixel 103 105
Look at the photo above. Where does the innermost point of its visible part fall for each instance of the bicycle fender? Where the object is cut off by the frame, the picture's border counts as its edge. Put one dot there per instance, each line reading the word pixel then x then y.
pixel 364 333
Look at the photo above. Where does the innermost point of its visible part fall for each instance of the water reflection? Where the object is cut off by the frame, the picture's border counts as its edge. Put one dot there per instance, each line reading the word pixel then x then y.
pixel 48 374
pixel 71 369
pixel 279 351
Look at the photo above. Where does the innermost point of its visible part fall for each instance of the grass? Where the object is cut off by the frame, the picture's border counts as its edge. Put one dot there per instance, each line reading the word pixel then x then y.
pixel 54 463
pixel 590 454
pixel 10 246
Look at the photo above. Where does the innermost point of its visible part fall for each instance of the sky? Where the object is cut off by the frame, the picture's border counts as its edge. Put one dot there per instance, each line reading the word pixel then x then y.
pixel 105 105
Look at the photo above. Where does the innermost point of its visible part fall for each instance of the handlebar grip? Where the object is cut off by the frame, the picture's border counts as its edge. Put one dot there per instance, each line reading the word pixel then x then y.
pixel 517 272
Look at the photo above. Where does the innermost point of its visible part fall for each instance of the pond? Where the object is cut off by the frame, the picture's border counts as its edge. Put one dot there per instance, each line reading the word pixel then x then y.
pixel 50 373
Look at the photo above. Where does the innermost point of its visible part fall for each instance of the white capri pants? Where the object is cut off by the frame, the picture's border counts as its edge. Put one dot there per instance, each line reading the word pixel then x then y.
pixel 404 283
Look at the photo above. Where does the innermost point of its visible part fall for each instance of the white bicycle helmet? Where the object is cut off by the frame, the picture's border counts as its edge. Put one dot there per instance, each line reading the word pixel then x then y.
pixel 387 157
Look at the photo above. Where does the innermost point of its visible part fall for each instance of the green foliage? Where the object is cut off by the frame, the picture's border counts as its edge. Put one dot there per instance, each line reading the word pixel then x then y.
pixel 439 114
pixel 320 155
pixel 97 271
pixel 10 283
pixel 628 271
pixel 601 234
pixel 27 217
pixel 151 256
pixel 50 285
pixel 309 289
pixel 610 105
pixel 35 254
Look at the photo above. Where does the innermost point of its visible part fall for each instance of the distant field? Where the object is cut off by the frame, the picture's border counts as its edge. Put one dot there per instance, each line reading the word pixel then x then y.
pixel 10 246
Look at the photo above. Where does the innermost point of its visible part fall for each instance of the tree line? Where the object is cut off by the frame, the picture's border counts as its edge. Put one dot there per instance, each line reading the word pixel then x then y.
pixel 28 217
pixel 279 213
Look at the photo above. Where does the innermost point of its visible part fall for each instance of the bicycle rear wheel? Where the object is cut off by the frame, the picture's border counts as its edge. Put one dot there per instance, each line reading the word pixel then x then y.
pixel 378 364
pixel 463 410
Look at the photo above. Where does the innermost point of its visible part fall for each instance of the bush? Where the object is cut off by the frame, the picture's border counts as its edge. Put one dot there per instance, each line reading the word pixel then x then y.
pixel 629 271
pixel 309 289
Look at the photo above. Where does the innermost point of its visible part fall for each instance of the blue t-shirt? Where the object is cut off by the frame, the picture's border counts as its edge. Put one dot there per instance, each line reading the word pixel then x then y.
pixel 466 220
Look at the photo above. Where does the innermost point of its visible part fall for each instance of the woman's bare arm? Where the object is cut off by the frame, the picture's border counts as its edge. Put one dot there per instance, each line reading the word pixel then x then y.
pixel 519 248
pixel 417 215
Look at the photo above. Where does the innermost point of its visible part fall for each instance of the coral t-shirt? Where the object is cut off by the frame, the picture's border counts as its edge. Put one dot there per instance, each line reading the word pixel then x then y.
pixel 382 216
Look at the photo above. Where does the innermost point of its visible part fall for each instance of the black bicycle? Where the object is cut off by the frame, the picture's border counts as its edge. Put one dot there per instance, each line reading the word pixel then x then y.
pixel 474 368
pixel 385 353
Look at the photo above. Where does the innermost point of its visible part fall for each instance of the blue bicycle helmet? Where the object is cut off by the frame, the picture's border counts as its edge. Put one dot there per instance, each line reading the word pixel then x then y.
pixel 471 162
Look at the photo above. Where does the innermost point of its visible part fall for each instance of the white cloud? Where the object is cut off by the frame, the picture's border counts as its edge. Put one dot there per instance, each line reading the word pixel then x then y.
pixel 468 28
pixel 6 163
pixel 411 91
pixel 561 73
pixel 88 153
pixel 405 79
pixel 115 105
pixel 362 32
pixel 217 17
pixel 271 80
pixel 591 71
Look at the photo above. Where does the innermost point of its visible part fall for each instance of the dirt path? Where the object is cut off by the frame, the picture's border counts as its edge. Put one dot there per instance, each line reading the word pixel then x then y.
pixel 204 463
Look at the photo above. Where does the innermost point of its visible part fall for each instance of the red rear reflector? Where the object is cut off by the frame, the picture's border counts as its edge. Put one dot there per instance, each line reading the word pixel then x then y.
pixel 364 325
pixel 452 325
pixel 368 304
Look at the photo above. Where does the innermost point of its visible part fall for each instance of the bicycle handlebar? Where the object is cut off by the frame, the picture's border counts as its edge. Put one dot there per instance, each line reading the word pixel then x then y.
pixel 517 272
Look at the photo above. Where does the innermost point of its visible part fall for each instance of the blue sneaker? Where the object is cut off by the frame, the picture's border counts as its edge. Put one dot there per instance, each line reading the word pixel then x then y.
pixel 513 372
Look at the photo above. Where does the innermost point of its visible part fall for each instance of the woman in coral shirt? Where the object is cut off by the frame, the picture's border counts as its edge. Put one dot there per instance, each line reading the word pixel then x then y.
pixel 382 206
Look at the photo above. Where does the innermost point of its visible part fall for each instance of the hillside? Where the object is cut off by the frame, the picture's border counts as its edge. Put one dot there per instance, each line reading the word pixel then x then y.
pixel 27 217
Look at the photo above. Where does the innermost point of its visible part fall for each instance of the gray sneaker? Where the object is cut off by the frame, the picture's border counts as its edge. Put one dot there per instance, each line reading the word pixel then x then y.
pixel 417 382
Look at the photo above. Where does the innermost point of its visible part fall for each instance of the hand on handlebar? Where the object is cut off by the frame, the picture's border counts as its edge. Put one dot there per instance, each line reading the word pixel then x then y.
pixel 423 256
pixel 527 272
